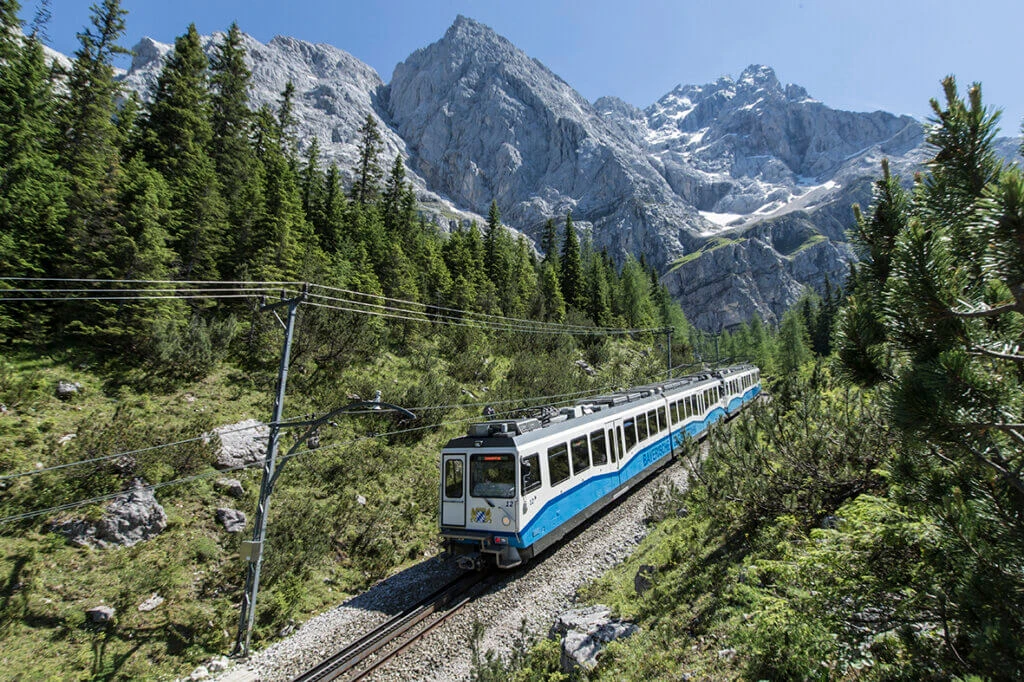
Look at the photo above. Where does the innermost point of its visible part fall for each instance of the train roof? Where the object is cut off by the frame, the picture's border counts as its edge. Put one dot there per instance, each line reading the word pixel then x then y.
pixel 521 432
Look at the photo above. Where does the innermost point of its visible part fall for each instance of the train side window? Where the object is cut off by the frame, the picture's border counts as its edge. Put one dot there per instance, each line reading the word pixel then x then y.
pixel 580 455
pixel 662 419
pixel 619 451
pixel 558 463
pixel 530 473
pixel 641 427
pixel 675 412
pixel 597 448
pixel 453 479
pixel 630 430
pixel 652 422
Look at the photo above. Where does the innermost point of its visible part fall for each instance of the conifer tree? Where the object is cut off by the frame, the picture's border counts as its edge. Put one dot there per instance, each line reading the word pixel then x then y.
pixel 33 187
pixel 549 243
pixel 239 173
pixel 89 150
pixel 177 139
pixel 571 269
pixel 366 187
pixel 949 336
pixel 283 235
pixel 394 193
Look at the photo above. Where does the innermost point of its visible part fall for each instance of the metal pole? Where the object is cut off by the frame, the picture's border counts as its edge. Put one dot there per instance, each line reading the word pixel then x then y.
pixel 668 333
pixel 254 550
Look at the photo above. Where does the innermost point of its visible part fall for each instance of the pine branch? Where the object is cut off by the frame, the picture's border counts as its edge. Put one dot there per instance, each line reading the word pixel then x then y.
pixel 969 311
pixel 989 353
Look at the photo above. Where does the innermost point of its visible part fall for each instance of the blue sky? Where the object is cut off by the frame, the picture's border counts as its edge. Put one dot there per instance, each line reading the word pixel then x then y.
pixel 851 54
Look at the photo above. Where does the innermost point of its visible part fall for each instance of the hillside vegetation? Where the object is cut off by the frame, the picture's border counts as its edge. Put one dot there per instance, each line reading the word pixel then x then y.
pixel 867 522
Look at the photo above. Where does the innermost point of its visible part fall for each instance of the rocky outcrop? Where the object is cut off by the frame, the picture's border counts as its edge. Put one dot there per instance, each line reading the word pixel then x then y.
pixel 241 444
pixel 232 519
pixel 485 122
pixel 131 518
pixel 584 634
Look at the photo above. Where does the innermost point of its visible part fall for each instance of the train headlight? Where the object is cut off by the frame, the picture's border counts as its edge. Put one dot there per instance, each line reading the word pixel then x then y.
pixel 505 521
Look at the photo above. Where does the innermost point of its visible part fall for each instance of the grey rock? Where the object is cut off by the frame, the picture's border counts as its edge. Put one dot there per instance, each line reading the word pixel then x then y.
pixel 67 389
pixel 100 614
pixel 585 632
pixel 242 443
pixel 200 673
pixel 642 580
pixel 232 519
pixel 230 486
pixel 154 601
pixel 218 664
pixel 131 518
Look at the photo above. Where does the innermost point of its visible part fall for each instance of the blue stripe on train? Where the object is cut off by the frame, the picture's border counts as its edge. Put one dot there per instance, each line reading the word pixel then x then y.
pixel 560 509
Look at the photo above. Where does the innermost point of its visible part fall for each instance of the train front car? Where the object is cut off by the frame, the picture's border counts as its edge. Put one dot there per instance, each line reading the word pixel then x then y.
pixel 480 493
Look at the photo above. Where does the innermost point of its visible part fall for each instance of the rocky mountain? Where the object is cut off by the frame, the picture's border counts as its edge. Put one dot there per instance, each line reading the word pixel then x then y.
pixel 738 191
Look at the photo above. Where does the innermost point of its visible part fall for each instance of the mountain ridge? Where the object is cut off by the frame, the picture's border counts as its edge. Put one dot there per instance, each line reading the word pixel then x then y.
pixel 477 119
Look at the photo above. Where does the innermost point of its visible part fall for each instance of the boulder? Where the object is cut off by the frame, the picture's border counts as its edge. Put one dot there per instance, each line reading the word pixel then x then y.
pixel 642 579
pixel 242 443
pixel 229 486
pixel 67 389
pixel 100 614
pixel 154 601
pixel 131 518
pixel 585 632
pixel 233 520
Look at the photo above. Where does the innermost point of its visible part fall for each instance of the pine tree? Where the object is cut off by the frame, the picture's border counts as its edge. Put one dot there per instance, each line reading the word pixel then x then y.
pixel 239 174
pixel 89 150
pixel 368 172
pixel 177 139
pixel 33 187
pixel 793 343
pixel 549 243
pixel 571 269
pixel 948 340
pixel 394 193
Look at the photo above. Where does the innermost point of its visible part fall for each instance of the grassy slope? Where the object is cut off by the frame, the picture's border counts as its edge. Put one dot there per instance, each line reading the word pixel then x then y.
pixel 323 544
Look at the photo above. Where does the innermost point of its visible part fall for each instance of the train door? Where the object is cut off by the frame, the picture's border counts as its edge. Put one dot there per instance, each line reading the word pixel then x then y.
pixel 453 490
pixel 619 447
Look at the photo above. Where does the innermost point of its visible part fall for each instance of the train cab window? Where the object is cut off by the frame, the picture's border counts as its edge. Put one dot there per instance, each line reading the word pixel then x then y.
pixel 580 455
pixel 641 427
pixel 530 473
pixel 618 446
pixel 597 448
pixel 492 475
pixel 453 479
pixel 630 432
pixel 558 463
pixel 652 422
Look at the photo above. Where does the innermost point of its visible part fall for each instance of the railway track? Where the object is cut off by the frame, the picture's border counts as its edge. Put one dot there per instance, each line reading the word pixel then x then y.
pixel 360 658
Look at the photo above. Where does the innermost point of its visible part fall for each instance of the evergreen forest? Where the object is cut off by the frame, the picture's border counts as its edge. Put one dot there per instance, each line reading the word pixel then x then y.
pixel 866 522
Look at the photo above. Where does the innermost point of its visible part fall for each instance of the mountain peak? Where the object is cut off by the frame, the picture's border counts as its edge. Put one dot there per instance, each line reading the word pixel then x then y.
pixel 760 76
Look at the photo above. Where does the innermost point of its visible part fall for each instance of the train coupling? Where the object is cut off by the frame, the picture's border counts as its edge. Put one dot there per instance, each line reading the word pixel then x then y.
pixel 473 561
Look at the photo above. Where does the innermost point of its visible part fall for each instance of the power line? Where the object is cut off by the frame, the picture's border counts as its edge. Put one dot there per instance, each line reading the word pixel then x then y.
pixel 109 496
pixel 500 318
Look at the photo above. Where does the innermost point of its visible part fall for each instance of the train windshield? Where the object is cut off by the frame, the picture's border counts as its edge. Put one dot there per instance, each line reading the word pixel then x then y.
pixel 492 475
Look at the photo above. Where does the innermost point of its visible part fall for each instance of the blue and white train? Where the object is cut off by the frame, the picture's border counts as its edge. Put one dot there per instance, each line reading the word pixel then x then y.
pixel 511 488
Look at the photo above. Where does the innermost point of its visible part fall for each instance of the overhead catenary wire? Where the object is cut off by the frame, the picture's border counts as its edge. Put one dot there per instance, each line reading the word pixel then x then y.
pixel 430 306
pixel 219 472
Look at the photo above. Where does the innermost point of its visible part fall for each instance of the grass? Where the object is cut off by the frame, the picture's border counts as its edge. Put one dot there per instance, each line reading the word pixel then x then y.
pixel 708 247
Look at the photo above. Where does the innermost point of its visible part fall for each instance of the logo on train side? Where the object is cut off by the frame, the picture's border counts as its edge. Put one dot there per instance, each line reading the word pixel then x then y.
pixel 481 515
